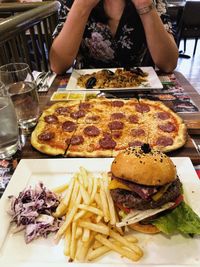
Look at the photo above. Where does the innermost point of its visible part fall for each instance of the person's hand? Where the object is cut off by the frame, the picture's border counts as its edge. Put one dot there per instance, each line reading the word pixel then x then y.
pixel 141 3
pixel 87 3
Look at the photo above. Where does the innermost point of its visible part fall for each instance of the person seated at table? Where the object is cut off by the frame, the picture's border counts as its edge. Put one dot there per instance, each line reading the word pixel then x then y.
pixel 113 33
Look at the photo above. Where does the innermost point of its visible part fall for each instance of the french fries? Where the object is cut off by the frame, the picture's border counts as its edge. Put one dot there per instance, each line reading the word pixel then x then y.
pixel 122 251
pixel 96 253
pixel 89 229
pixel 99 228
pixel 60 189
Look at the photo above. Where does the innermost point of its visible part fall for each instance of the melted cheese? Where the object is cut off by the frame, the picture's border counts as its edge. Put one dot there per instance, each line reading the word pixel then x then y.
pixel 114 184
pixel 160 193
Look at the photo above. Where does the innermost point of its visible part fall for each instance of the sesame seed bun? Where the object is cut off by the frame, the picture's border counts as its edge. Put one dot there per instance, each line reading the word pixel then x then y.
pixel 153 168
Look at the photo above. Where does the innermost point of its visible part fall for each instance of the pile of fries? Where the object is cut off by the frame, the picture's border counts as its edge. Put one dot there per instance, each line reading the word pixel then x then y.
pixel 89 229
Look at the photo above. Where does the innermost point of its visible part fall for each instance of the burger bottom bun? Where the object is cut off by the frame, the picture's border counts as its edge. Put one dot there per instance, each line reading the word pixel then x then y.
pixel 144 228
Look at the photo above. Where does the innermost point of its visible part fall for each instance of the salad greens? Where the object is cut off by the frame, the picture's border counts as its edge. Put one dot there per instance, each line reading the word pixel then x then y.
pixel 182 219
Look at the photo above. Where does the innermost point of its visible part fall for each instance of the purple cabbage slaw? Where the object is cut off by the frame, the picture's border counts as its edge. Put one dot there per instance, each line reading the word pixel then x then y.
pixel 32 211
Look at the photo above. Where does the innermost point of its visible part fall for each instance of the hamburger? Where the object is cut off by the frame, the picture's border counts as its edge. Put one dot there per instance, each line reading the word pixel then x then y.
pixel 144 187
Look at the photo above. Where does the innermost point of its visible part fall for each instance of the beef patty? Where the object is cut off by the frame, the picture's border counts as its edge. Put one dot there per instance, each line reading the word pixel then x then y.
pixel 130 199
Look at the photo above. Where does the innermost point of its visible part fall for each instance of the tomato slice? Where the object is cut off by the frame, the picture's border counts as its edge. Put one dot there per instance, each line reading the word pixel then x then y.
pixel 121 207
pixel 177 201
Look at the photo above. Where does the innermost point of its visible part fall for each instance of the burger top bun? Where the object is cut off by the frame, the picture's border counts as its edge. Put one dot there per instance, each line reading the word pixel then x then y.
pixel 144 166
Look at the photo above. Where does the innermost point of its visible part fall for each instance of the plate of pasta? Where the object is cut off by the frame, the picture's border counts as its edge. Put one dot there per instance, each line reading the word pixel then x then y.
pixel 114 79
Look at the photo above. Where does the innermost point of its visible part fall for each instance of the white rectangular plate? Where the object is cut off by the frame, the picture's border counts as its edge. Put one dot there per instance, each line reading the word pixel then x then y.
pixel 153 81
pixel 159 249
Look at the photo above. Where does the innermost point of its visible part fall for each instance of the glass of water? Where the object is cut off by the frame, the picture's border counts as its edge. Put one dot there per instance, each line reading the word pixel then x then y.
pixel 9 128
pixel 22 89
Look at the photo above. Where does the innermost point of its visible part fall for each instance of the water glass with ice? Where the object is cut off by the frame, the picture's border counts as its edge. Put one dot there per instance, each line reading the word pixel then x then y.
pixel 9 134
pixel 22 88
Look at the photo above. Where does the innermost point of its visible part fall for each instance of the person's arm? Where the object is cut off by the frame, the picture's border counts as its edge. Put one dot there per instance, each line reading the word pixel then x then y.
pixel 65 47
pixel 161 44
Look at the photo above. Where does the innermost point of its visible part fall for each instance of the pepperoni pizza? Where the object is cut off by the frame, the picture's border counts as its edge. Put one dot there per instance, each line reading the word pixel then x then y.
pixel 103 127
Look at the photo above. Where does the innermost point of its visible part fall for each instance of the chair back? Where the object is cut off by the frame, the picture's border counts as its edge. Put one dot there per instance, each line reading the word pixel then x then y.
pixel 27 36
pixel 189 26
pixel 12 8
pixel 191 13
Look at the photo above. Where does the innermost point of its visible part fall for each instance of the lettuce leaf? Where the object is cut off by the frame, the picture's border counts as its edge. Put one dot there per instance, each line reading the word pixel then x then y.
pixel 182 219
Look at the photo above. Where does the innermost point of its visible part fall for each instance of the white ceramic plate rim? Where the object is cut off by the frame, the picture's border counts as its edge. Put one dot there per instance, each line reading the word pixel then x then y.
pixel 152 83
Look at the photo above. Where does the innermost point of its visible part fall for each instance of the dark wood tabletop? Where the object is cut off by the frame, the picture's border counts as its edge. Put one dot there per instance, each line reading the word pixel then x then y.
pixel 191 119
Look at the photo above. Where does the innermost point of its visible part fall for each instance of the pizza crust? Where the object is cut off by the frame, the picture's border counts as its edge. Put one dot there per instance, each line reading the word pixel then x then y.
pixel 44 147
pixel 87 154
pixel 181 137
pixel 179 141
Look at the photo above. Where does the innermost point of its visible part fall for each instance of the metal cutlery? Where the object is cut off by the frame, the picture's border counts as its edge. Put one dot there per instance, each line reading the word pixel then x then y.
pixel 39 77
pixel 105 94
pixel 43 85
pixel 197 147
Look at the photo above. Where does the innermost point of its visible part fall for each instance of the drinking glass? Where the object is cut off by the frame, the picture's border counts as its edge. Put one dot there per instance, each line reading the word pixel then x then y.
pixel 22 89
pixel 9 128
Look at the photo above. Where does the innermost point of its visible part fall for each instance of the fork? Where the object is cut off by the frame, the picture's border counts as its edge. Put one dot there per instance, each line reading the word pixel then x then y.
pixel 43 85
pixel 43 88
pixel 197 147
pixel 44 78
pixel 39 77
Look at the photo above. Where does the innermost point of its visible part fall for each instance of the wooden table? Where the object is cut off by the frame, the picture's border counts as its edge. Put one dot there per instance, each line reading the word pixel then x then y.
pixel 191 119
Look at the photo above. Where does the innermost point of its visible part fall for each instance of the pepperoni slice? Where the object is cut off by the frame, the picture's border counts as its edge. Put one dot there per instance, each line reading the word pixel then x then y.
pixel 77 140
pixel 142 108
pixel 46 136
pixel 137 132
pixel 91 131
pixel 78 114
pixel 51 119
pixel 116 125
pixel 93 118
pixel 117 116
pixel 164 141
pixel 62 110
pixel 135 143
pixel 168 127
pixel 117 103
pixel 69 126
pixel 84 105
pixel 117 134
pixel 133 119
pixel 163 115
pixel 107 142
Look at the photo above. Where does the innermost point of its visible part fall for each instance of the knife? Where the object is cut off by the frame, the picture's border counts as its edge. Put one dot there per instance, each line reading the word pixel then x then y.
pixel 197 147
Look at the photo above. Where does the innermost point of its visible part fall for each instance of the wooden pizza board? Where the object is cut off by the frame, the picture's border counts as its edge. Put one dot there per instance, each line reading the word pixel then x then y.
pixel 193 126
pixel 188 150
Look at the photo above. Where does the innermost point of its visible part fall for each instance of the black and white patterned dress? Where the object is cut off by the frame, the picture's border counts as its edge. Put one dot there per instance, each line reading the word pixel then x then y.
pixel 99 49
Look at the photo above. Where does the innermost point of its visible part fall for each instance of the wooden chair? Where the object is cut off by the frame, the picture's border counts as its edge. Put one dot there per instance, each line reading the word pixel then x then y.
pixel 27 36
pixel 13 8
pixel 189 26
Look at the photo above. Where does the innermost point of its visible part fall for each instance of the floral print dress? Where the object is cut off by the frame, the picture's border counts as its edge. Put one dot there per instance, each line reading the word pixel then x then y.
pixel 100 49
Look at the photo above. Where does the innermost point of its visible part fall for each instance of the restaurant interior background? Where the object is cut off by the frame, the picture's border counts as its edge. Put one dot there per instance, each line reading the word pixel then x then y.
pixel 189 67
